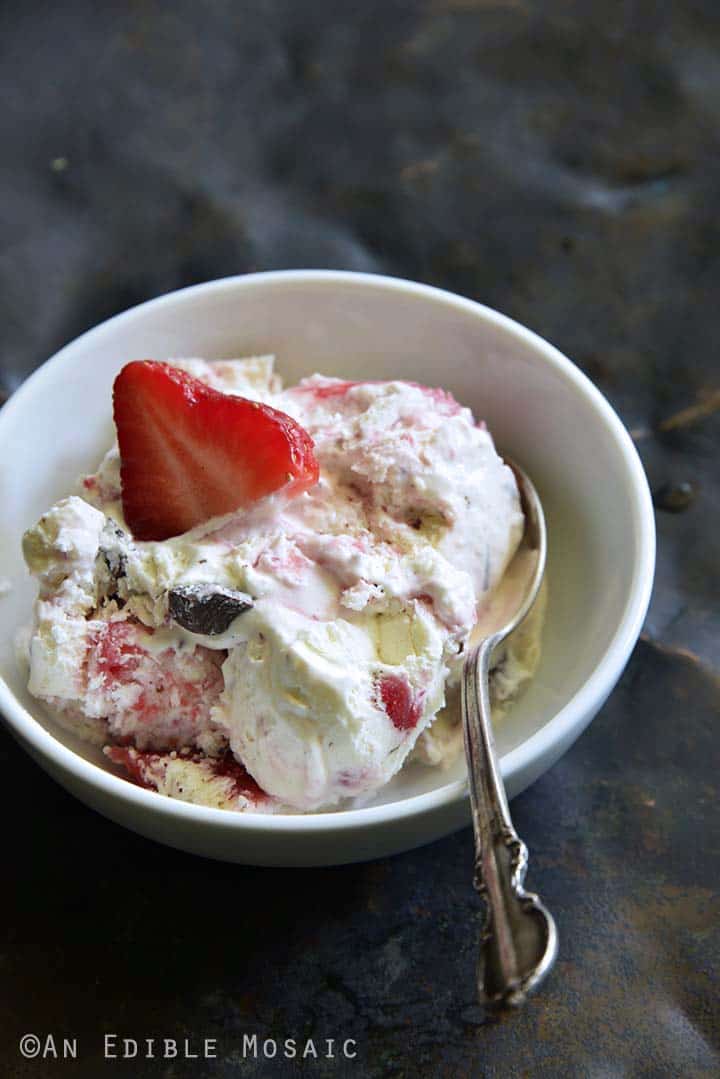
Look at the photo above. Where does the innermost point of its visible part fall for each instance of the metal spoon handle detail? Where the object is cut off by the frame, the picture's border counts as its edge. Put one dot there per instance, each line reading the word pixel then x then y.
pixel 518 943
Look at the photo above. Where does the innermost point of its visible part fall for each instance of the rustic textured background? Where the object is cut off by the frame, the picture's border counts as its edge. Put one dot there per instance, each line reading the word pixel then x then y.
pixel 559 161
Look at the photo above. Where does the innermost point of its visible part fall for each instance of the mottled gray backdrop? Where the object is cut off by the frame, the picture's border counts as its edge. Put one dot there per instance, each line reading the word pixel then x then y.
pixel 559 161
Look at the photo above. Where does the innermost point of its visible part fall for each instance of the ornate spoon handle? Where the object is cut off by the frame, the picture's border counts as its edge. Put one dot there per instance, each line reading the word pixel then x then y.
pixel 518 942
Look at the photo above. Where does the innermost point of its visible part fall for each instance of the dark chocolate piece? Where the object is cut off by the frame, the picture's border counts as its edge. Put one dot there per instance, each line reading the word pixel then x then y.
pixel 206 609
pixel 111 550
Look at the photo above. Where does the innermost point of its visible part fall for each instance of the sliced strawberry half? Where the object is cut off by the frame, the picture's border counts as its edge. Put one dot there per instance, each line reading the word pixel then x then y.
pixel 189 453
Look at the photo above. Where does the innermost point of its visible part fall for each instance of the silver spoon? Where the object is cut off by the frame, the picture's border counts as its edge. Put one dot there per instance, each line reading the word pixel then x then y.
pixel 518 943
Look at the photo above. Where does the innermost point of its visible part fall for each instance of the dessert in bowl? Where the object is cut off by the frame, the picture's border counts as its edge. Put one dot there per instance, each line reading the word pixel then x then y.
pixel 376 342
pixel 261 599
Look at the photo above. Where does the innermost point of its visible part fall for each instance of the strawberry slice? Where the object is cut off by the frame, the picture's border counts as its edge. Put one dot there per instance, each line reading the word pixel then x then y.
pixel 188 452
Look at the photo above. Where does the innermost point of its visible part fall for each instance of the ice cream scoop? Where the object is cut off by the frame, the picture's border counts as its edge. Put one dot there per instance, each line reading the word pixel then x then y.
pixel 518 943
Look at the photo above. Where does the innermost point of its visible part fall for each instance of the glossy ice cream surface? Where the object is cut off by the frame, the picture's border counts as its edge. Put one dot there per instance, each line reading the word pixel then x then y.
pixel 309 641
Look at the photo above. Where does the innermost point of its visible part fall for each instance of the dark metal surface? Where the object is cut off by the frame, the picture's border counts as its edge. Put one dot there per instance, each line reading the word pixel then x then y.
pixel 557 161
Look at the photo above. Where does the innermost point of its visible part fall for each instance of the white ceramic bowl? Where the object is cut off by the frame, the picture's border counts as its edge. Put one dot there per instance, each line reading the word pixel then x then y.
pixel 541 410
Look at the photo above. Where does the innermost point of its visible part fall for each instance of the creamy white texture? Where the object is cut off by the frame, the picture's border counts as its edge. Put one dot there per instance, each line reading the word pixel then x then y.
pixel 416 458
pixel 61 552
pixel 301 704
pixel 364 590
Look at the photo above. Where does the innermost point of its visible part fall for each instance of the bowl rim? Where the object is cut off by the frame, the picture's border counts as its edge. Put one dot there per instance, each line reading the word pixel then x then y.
pixel 563 724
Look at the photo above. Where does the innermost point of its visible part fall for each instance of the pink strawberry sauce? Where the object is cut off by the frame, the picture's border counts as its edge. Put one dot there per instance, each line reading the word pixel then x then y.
pixel 174 693
pixel 140 766
pixel 333 389
pixel 444 400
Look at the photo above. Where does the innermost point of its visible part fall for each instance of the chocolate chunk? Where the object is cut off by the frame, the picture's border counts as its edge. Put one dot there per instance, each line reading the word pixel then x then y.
pixel 112 542
pixel 206 609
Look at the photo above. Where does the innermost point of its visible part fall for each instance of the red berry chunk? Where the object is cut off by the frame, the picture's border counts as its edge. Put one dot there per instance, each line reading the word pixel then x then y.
pixel 403 709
